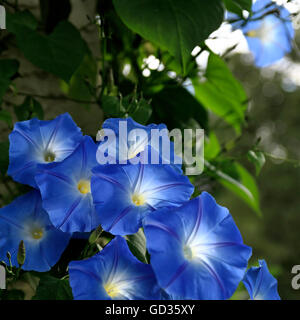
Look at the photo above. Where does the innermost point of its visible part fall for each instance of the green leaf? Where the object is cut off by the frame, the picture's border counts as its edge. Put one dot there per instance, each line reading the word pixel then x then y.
pixel 4 158
pixel 237 6
pixel 212 147
pixel 258 159
pixel 60 53
pixel 141 111
pixel 29 109
pixel 221 93
pixel 83 81
pixel 238 180
pixel 137 245
pixel 20 19
pixel 11 295
pixel 175 25
pixel 8 68
pixel 6 117
pixel 178 107
pixel 111 106
pixel 51 288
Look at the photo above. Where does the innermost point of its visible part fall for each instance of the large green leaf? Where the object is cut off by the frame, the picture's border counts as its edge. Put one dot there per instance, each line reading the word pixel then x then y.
pixel 212 146
pixel 221 92
pixel 238 180
pixel 8 68
pixel 19 20
pixel 51 288
pixel 175 25
pixel 83 81
pixel 178 108
pixel 60 53
pixel 237 6
pixel 29 109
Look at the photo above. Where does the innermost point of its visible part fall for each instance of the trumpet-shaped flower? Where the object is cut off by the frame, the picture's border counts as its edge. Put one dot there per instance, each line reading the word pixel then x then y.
pixel 269 32
pixel 35 142
pixel 127 139
pixel 125 194
pixel 113 274
pixel 25 219
pixel 66 190
pixel 196 250
pixel 260 284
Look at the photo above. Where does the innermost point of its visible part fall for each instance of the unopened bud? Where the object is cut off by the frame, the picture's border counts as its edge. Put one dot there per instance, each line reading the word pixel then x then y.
pixel 21 253
pixel 95 235
pixel 8 255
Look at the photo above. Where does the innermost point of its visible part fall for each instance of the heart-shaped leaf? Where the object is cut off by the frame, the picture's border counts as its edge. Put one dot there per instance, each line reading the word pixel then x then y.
pixel 175 25
pixel 60 53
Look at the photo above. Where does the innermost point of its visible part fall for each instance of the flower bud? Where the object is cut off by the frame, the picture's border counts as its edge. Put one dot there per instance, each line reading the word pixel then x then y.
pixel 95 235
pixel 21 253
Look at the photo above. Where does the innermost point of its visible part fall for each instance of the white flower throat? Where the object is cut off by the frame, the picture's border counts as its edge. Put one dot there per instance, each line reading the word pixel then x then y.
pixel 265 32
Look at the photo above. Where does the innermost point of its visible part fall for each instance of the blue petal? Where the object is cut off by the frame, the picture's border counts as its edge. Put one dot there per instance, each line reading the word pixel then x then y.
pixel 17 220
pixel 113 267
pixel 260 284
pixel 69 209
pixel 195 247
pixel 280 33
pixel 114 185
pixel 140 145
pixel 30 140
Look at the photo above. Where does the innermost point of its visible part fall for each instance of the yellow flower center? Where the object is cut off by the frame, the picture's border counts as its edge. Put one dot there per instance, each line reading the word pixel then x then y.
pixel 138 199
pixel 252 34
pixel 111 289
pixel 188 253
pixel 37 233
pixel 84 186
pixel 49 156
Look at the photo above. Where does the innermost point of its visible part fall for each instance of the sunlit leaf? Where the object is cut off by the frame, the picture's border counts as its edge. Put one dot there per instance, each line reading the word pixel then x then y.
pixel 221 92
pixel 237 6
pixel 238 180
pixel 175 25
pixel 258 159
pixel 211 147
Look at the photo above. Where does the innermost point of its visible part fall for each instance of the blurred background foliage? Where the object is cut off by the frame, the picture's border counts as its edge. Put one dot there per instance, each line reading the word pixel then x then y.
pixel 81 57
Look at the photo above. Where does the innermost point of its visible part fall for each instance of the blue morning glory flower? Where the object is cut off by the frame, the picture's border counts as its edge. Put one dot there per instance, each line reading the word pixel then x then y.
pixel 196 250
pixel 24 219
pixel 131 138
pixel 125 194
pixel 113 274
pixel 269 38
pixel 36 142
pixel 66 190
pixel 260 284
